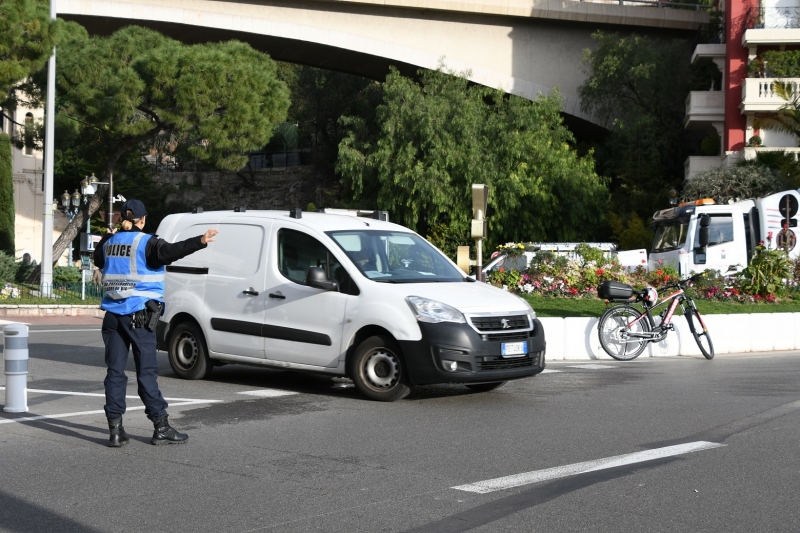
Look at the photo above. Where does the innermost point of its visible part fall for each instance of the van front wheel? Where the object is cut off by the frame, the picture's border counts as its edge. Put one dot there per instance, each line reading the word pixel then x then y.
pixel 377 370
pixel 188 355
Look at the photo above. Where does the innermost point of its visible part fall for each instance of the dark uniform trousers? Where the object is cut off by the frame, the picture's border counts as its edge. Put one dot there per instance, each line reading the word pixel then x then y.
pixel 119 338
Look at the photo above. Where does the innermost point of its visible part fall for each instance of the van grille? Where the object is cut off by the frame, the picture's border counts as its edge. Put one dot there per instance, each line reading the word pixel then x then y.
pixel 506 364
pixel 507 337
pixel 496 323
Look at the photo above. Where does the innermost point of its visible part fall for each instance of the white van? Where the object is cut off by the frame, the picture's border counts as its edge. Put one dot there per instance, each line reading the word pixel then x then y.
pixel 339 294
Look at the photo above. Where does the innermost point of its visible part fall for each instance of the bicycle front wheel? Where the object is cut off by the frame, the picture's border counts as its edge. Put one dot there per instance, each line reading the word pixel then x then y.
pixel 700 333
pixel 615 329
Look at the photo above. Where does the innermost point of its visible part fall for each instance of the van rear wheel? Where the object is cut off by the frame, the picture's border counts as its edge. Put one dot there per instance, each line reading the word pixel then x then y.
pixel 377 370
pixel 188 355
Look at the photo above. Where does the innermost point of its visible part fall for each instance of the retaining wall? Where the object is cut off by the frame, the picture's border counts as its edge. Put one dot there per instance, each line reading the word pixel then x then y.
pixel 576 337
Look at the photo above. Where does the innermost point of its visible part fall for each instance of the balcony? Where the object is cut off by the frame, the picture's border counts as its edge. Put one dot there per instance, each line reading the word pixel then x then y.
pixel 704 106
pixel 749 152
pixel 758 94
pixel 697 164
pixel 772 26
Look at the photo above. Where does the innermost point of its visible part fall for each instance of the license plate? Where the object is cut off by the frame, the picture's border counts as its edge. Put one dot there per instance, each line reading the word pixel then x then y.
pixel 514 349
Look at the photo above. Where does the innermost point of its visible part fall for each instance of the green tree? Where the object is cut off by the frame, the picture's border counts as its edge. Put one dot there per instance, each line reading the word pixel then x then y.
pixel 6 197
pixel 137 89
pixel 27 37
pixel 319 98
pixel 637 86
pixel 432 139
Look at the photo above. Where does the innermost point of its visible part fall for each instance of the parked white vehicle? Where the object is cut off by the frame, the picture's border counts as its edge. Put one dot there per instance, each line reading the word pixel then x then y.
pixel 704 235
pixel 629 259
pixel 341 295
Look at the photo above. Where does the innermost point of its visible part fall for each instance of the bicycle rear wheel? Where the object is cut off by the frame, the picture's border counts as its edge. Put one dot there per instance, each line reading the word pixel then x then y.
pixel 700 333
pixel 615 332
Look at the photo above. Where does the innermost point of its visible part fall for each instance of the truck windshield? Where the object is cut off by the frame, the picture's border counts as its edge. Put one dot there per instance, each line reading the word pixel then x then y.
pixel 395 257
pixel 670 236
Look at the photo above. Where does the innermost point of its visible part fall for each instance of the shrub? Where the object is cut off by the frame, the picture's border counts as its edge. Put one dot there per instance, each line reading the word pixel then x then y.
pixel 765 274
pixel 24 270
pixel 8 268
pixel 68 275
pixel 723 184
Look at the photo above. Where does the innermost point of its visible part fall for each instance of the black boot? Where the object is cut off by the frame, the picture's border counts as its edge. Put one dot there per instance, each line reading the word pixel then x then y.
pixel 166 434
pixel 118 436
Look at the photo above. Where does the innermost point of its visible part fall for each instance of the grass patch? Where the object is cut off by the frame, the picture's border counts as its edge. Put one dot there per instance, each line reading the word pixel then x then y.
pixel 547 306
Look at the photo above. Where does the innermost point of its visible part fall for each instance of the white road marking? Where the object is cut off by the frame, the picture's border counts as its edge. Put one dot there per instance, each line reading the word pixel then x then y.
pixel 548 371
pixel 181 402
pixel 85 413
pixel 528 478
pixel 592 366
pixel 268 393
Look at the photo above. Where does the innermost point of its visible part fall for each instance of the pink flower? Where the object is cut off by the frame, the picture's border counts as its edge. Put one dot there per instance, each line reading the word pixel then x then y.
pixel 769 236
pixel 643 261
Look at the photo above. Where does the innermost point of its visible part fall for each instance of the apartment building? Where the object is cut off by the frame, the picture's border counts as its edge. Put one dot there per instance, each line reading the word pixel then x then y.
pixel 750 32
pixel 28 174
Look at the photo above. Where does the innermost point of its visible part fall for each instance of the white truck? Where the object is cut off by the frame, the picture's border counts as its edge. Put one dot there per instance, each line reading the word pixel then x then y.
pixel 704 235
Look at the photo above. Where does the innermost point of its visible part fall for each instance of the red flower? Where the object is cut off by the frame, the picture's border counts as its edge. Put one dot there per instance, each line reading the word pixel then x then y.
pixel 501 269
pixel 600 271
pixel 660 272
pixel 761 243
pixel 573 290
pixel 769 236
pixel 643 261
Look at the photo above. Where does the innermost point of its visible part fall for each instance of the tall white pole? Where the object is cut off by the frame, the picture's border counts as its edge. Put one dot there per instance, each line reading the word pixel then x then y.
pixel 49 154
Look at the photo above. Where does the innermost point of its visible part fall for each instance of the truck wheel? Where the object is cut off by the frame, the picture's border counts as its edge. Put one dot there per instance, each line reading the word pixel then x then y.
pixel 485 387
pixel 377 370
pixel 188 355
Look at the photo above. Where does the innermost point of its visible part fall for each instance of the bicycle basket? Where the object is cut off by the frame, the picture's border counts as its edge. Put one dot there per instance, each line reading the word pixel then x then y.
pixel 650 296
pixel 614 290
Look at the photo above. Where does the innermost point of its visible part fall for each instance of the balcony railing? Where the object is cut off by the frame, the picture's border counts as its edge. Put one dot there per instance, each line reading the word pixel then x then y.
pixel 694 165
pixel 758 94
pixel 705 106
pixel 773 18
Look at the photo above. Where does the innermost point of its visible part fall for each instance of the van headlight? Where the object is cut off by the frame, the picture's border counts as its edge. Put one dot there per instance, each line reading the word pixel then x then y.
pixel 432 311
pixel 531 312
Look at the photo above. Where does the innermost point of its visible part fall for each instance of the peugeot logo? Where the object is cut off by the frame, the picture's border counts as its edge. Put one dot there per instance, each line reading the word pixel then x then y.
pixel 504 323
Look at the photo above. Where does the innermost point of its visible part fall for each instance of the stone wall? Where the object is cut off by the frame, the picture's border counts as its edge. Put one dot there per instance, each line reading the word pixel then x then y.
pixel 260 189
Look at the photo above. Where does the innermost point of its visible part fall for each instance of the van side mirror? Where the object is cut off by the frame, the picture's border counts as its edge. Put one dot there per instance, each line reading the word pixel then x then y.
pixel 316 277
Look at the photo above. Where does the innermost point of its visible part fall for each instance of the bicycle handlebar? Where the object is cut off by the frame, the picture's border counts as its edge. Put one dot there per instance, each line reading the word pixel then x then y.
pixel 678 284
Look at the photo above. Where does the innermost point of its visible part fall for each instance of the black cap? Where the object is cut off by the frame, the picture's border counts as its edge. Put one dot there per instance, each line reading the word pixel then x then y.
pixel 135 207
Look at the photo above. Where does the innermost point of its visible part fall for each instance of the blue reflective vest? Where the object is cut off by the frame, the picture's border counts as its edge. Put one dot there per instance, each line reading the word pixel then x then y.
pixel 127 280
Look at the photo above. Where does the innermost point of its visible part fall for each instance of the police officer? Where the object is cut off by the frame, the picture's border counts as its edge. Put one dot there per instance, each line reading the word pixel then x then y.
pixel 133 263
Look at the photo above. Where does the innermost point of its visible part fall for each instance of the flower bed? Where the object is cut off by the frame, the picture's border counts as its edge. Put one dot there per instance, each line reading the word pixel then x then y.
pixel 770 277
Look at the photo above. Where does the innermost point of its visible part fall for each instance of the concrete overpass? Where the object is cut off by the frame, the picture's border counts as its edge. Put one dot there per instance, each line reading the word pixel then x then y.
pixel 522 46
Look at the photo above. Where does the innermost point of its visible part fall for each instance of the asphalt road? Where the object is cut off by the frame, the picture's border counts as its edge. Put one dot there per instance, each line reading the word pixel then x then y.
pixel 705 446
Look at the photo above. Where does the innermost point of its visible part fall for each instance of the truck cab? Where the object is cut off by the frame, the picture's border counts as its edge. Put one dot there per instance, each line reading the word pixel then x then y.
pixel 734 230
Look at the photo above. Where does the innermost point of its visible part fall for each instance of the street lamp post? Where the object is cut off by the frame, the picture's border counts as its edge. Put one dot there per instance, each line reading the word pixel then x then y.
pixel 70 206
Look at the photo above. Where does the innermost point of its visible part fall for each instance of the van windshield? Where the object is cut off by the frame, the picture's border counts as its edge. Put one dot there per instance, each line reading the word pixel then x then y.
pixel 395 257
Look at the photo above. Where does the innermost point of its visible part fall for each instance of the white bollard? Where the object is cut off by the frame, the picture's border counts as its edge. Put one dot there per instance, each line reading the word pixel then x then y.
pixel 15 353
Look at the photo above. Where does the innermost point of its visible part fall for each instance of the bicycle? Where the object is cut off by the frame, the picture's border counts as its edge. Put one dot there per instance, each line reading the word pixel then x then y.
pixel 626 329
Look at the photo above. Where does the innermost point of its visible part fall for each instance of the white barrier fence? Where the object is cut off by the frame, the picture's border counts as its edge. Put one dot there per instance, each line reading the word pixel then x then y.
pixel 576 338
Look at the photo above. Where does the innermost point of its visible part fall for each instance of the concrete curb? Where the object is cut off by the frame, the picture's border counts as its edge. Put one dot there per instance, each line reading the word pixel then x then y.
pixel 7 310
